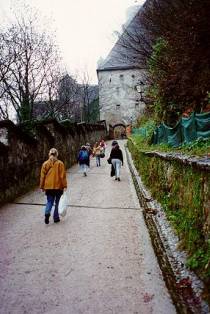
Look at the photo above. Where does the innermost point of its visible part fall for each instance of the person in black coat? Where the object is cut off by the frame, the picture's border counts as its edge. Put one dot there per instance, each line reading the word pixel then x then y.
pixel 116 158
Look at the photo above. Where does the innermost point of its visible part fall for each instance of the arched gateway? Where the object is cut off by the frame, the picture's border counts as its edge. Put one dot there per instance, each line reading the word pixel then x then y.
pixel 119 131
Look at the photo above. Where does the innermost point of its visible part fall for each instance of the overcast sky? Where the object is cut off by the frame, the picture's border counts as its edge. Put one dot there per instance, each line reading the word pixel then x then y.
pixel 84 27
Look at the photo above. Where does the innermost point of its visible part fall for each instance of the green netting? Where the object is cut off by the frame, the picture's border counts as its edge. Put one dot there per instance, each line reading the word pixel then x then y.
pixel 203 125
pixel 173 135
pixel 161 134
pixel 139 131
pixel 189 129
pixel 186 130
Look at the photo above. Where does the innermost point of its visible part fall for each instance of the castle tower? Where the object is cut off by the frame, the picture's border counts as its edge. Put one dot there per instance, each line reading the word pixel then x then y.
pixel 122 81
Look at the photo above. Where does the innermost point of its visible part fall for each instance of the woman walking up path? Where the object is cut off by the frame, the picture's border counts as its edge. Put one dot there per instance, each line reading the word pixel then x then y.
pixel 116 158
pixel 53 182
pixel 97 153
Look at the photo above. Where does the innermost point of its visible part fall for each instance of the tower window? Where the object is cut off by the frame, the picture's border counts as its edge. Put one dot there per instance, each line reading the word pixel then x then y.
pixel 118 107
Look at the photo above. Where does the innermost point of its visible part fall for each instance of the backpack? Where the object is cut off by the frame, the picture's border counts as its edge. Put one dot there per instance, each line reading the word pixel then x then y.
pixel 83 156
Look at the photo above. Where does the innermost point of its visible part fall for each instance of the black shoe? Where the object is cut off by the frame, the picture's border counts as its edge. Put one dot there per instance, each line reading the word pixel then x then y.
pixel 115 178
pixel 85 174
pixel 46 220
pixel 118 179
pixel 57 220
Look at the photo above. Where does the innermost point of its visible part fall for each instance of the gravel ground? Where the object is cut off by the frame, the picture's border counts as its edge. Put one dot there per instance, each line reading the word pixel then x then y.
pixel 97 260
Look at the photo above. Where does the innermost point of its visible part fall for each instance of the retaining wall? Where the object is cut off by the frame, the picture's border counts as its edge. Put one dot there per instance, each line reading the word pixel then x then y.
pixel 23 150
pixel 181 184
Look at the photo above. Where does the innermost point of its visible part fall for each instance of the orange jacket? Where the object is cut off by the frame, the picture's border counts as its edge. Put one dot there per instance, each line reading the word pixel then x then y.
pixel 53 175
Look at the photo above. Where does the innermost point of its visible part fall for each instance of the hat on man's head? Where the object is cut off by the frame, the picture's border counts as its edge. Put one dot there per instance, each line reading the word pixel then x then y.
pixel 114 143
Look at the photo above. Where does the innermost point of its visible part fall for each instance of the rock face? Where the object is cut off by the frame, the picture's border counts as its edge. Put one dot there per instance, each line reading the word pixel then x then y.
pixel 119 100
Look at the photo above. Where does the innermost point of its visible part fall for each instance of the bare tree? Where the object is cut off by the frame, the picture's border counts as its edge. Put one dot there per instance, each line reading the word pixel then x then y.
pixel 69 95
pixel 27 59
pixel 48 105
pixel 89 93
pixel 134 44
pixel 4 110
pixel 7 58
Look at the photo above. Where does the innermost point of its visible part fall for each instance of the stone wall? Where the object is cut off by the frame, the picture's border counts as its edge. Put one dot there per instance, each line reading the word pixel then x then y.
pixel 23 150
pixel 181 185
pixel 119 100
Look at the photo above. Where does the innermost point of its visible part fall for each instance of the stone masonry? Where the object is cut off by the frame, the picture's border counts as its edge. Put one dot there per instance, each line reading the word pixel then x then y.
pixel 120 102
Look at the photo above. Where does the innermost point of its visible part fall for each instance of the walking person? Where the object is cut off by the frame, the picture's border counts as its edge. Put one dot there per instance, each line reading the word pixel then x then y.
pixel 53 182
pixel 103 146
pixel 97 154
pixel 89 149
pixel 116 158
pixel 84 160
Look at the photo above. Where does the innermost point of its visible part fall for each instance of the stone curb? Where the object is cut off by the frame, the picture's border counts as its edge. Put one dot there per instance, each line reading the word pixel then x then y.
pixel 201 163
pixel 185 298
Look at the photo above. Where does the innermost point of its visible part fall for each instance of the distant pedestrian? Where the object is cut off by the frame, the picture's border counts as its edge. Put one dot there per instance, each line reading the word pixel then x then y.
pixel 84 160
pixel 97 154
pixel 53 182
pixel 116 158
pixel 103 146
pixel 90 151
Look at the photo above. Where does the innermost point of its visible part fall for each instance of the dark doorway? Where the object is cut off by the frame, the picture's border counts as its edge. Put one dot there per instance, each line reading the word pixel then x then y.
pixel 119 131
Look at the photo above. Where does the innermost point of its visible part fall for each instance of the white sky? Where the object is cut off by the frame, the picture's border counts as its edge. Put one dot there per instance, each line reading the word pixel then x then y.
pixel 84 28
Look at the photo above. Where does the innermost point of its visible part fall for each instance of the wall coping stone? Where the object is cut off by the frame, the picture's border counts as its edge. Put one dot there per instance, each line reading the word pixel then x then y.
pixel 201 163
pixel 17 129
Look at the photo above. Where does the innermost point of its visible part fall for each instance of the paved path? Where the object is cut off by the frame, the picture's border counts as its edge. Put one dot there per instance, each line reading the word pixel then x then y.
pixel 98 260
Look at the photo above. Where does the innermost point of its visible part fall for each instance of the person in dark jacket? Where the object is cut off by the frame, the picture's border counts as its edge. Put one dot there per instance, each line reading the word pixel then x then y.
pixel 89 149
pixel 116 158
pixel 84 160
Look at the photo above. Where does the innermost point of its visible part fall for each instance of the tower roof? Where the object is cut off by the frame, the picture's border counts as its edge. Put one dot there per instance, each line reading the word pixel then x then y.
pixel 126 53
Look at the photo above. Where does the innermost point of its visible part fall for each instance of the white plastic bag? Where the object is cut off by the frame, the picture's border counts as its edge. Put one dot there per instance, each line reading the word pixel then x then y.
pixel 63 204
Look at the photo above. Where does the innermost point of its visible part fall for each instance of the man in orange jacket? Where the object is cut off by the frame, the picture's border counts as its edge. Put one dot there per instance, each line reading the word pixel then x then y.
pixel 53 182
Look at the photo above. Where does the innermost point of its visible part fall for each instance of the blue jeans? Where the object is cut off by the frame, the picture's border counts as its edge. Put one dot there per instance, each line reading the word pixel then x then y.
pixel 117 166
pixel 51 198
pixel 83 168
pixel 98 160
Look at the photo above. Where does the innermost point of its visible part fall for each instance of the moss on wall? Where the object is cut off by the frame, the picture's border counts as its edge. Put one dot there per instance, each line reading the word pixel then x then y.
pixel 184 193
